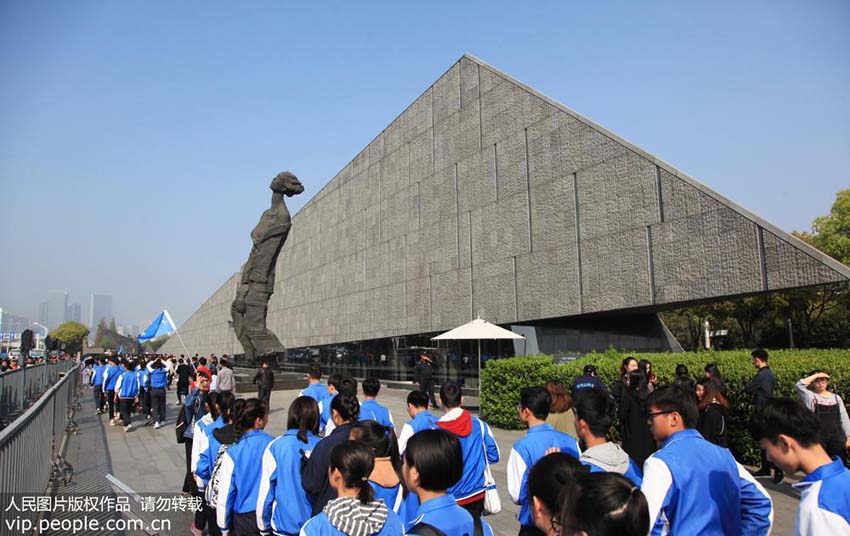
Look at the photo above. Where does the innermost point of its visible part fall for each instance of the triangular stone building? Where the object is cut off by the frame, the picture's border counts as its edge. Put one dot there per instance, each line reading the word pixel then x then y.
pixel 486 198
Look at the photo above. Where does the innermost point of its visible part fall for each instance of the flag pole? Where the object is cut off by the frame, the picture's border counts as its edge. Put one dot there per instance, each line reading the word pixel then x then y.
pixel 168 316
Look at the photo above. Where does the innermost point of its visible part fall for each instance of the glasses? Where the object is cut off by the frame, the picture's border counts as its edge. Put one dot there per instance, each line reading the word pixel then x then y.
pixel 651 415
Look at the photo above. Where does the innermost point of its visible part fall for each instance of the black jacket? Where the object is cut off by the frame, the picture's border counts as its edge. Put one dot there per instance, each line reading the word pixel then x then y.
pixel 264 378
pixel 423 372
pixel 314 474
pixel 761 387
pixel 712 424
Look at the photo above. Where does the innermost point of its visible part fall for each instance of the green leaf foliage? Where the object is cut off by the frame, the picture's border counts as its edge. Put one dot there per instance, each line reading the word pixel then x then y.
pixel 503 379
pixel 71 334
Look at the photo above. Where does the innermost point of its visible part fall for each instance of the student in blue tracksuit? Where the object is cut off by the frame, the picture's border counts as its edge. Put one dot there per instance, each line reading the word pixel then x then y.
pixel 478 446
pixel 788 432
pixel 229 408
pixel 548 479
pixel 606 504
pixel 370 410
pixel 97 385
pixel 533 409
pixel 241 468
pixel 200 442
pixel 126 393
pixel 110 378
pixel 386 479
pixel 355 511
pixel 316 389
pixel 594 417
pixel 159 381
pixel 693 486
pixel 421 418
pixel 336 384
pixel 282 504
pixel 433 463
pixel 144 377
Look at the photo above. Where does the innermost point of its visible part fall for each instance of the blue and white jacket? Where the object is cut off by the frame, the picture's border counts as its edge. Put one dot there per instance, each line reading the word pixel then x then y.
pixel 316 391
pixel 406 507
pixel 693 486
pixel 326 425
pixel 443 513
pixel 240 469
pixel 200 443
pixel 159 377
pixel 370 410
pixel 824 501
pixel 282 504
pixel 97 376
pixel 478 444
pixel 110 377
pixel 422 421
pixel 320 525
pixel 524 454
pixel 127 385
pixel 195 410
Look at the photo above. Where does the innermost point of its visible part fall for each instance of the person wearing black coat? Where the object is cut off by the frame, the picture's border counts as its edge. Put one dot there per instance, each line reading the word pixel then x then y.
pixel 345 410
pixel 761 388
pixel 712 411
pixel 423 374
pixel 637 438
pixel 264 379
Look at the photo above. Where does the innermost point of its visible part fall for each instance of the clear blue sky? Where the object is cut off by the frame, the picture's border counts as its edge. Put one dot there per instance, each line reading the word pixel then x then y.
pixel 137 139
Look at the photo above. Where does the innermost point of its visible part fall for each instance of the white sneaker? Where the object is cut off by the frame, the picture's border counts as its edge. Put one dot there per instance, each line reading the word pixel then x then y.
pixel 157 426
pixel 127 428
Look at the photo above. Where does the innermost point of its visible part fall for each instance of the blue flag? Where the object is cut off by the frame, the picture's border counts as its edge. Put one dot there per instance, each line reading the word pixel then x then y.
pixel 121 350
pixel 163 325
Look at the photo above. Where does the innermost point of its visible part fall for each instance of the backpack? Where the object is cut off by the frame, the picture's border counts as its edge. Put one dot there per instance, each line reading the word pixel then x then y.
pixel 425 529
pixel 180 425
pixel 212 491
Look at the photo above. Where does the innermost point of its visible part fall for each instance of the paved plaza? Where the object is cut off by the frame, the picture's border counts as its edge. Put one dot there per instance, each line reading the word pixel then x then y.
pixel 150 461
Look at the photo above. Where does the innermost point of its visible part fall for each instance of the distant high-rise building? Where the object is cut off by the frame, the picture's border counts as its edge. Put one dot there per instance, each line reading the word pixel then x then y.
pixel 76 312
pixel 101 308
pixel 10 323
pixel 57 308
pixel 42 312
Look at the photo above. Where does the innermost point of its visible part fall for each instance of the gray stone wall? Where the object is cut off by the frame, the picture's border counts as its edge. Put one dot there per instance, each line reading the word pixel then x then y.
pixel 486 198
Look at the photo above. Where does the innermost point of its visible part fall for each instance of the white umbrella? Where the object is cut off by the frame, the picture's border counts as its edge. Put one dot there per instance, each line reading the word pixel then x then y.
pixel 476 330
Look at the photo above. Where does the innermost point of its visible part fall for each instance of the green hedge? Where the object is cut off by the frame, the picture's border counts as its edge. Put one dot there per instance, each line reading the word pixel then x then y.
pixel 502 380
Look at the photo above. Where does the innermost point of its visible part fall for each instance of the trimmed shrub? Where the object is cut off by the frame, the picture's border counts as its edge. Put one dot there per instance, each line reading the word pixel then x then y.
pixel 502 380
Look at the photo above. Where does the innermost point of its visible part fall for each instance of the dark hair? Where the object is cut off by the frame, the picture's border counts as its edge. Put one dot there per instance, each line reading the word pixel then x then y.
pixel 254 409
pixel 760 353
pixel 209 402
pixel 638 383
pixel 605 504
pixel 347 386
pixel 347 406
pixel 625 363
pixel 787 417
pixel 451 394
pixel 645 366
pixel 333 380
pixel 383 442
pixel 551 477
pixel 202 361
pixel 371 386
pixel 711 391
pixel 315 371
pixel 589 369
pixel 561 399
pixel 682 371
pixel 713 371
pixel 674 398
pixel 128 365
pixel 202 373
pixel 437 456
pixel 236 412
pixel 355 461
pixel 417 399
pixel 537 400
pixel 594 407
pixel 303 416
pixel 225 403
pixel 223 362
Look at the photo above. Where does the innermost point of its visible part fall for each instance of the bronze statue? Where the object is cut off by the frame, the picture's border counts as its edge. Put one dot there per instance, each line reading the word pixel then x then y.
pixel 256 285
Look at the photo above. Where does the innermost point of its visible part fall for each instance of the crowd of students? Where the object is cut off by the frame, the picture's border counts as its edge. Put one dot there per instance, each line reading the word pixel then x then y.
pixel 341 468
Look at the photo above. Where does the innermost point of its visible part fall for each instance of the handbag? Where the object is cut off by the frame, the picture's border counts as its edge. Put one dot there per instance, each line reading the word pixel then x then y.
pixel 492 503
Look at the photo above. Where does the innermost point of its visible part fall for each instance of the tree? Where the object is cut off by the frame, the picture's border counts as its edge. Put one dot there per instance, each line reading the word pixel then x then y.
pixel 71 335
pixel 831 233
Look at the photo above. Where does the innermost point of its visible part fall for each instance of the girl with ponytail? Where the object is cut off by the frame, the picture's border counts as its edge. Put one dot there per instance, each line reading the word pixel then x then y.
pixel 282 503
pixel 386 478
pixel 355 511
pixel 604 504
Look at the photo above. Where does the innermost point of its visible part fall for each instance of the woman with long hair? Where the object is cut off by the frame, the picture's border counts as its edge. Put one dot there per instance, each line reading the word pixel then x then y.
pixel 225 405
pixel 711 371
pixel 645 367
pixel 561 416
pixel 604 504
pixel 241 468
pixel 628 365
pixel 712 411
pixel 548 480
pixel 282 505
pixel 355 511
pixel 637 439
pixel 386 479
pixel 683 378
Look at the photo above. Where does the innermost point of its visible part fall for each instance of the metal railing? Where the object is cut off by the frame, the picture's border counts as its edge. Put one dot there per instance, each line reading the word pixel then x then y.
pixel 30 447
pixel 20 388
